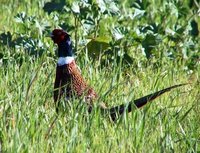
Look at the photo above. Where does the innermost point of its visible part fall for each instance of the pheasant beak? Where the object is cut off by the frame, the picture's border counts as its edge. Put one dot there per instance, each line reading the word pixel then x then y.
pixel 51 35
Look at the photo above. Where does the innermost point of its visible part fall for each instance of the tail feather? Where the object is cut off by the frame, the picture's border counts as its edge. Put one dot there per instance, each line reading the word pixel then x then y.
pixel 120 109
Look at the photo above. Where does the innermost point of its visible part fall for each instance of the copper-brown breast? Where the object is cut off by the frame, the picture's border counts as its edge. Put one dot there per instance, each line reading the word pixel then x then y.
pixel 75 83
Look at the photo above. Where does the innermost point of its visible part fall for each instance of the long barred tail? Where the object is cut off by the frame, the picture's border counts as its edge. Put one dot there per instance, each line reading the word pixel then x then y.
pixel 120 109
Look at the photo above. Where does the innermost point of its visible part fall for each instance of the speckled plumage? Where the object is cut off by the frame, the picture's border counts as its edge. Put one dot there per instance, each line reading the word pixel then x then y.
pixel 69 77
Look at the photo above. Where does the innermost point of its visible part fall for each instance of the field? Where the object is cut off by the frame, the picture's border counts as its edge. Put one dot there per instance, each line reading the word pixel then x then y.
pixel 125 50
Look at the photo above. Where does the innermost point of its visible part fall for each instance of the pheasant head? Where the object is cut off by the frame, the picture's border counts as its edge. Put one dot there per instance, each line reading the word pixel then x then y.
pixel 62 39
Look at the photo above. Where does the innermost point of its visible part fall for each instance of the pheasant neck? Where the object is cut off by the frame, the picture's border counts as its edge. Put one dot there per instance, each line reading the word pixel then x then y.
pixel 65 48
pixel 65 53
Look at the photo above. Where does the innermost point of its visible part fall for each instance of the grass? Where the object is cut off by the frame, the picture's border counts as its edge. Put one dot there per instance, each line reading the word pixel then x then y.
pixel 169 124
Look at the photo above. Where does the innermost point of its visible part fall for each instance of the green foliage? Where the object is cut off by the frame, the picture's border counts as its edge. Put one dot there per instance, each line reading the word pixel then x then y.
pixel 139 24
pixel 126 49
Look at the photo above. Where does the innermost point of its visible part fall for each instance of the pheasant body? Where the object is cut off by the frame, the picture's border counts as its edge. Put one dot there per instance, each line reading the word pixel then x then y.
pixel 69 81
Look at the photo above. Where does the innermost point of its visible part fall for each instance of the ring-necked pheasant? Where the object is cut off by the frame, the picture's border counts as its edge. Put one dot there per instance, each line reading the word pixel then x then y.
pixel 69 80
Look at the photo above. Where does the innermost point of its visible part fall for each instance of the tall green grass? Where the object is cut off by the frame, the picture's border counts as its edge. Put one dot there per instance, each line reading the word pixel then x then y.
pixel 170 124
pixel 27 111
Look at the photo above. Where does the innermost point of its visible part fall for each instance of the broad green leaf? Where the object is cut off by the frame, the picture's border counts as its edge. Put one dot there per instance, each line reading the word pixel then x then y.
pixel 75 7
pixel 101 5
pixel 98 45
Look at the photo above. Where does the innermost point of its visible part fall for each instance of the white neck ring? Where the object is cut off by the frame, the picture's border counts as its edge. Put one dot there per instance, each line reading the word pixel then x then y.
pixel 64 60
